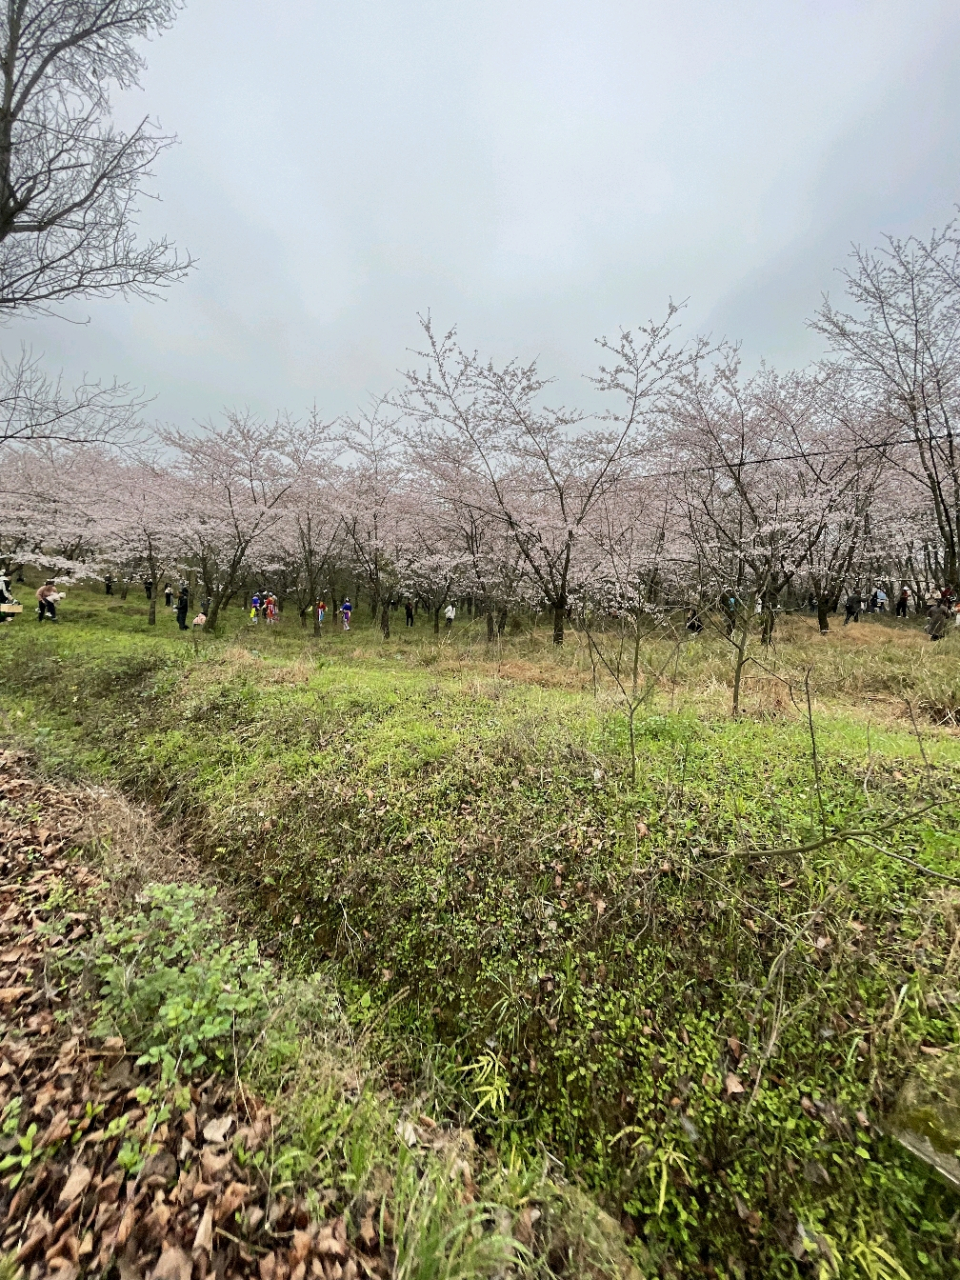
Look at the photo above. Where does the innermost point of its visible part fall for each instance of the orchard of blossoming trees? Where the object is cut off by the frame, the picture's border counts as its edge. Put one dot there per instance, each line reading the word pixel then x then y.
pixel 692 483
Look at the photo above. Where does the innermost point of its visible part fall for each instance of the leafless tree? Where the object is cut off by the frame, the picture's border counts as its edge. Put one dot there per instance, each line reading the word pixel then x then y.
pixel 35 406
pixel 69 179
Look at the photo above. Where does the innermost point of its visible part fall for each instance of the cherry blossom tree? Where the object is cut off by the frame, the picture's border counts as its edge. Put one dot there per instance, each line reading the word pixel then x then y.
pixel 538 471
pixel 228 486
pixel 901 342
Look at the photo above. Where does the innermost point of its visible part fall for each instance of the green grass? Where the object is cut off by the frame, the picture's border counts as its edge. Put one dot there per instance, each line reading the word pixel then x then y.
pixel 578 964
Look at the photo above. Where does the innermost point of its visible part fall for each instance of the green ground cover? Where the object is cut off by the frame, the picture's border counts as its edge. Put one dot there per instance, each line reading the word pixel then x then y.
pixel 689 990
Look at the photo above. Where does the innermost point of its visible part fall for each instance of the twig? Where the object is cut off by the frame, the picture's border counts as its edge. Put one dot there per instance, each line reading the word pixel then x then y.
pixel 850 834
pixel 916 730
pixel 902 857
pixel 816 759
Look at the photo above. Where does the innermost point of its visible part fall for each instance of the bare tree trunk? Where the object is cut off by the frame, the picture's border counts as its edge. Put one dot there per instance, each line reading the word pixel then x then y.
pixel 823 614
pixel 741 647
pixel 491 631
pixel 767 624
pixel 385 619
pixel 436 621
pixel 501 622
pixel 559 612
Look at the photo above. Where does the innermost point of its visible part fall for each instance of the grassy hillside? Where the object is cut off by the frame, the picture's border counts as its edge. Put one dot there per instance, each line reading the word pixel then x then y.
pixel 690 990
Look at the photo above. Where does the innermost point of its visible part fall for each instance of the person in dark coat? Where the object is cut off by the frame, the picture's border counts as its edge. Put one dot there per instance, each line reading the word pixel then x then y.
pixel 903 601
pixel 168 595
pixel 939 616
pixel 408 609
pixel 853 605
pixel 108 585
pixel 183 606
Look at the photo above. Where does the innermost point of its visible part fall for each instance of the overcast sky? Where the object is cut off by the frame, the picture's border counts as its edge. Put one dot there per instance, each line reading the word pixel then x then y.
pixel 538 172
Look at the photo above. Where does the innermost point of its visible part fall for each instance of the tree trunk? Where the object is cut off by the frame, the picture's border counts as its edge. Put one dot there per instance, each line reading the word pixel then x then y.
pixel 124 588
pixel 823 612
pixel 436 621
pixel 385 619
pixel 491 632
pixel 738 671
pixel 559 613
pixel 155 579
pixel 767 623
pixel 501 622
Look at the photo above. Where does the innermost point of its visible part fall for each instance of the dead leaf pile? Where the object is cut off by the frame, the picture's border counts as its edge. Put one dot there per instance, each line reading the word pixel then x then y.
pixel 91 1178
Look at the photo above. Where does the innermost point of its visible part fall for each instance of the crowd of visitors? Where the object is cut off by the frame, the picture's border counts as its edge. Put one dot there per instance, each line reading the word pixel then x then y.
pixel 942 608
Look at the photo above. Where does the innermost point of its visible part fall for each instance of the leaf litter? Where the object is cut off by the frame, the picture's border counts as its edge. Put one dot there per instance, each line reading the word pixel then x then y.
pixel 72 1201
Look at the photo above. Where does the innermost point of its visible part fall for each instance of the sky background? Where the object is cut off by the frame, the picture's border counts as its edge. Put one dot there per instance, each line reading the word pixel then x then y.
pixel 537 172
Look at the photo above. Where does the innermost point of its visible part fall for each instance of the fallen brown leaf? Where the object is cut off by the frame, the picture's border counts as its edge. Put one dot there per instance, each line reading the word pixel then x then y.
pixel 204 1236
pixel 173 1264
pixel 76 1184
pixel 216 1130
pixel 9 994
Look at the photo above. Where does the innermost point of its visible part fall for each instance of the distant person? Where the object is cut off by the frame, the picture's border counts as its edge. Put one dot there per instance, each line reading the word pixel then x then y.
pixel 449 613
pixel 271 608
pixel 255 607
pixel 321 608
pixel 872 603
pixel 200 620
pixel 853 605
pixel 939 616
pixel 728 605
pixel 148 587
pixel 903 603
pixel 47 598
pixel 345 611
pixel 6 597
pixel 168 595
pixel 408 609
pixel 881 600
pixel 108 585
pixel 183 604
pixel 694 623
